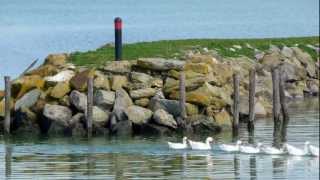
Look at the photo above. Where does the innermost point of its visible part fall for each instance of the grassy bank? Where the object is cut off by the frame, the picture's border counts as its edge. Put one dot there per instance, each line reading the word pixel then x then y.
pixel 174 48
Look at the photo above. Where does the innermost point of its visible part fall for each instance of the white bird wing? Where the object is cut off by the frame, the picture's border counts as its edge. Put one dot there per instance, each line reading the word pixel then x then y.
pixel 229 148
pixel 314 150
pixel 249 149
pixel 295 151
pixel 177 145
pixel 272 150
pixel 198 145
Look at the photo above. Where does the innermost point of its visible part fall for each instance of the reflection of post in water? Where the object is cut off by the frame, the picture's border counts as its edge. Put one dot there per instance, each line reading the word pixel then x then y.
pixel 8 157
pixel 284 109
pixel 276 108
pixel 236 166
pixel 253 167
pixel 90 161
pixel 277 167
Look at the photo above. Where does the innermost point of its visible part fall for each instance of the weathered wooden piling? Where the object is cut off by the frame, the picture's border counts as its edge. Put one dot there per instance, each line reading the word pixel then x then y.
pixel 276 108
pixel 252 91
pixel 7 106
pixel 236 99
pixel 89 106
pixel 284 109
pixel 182 101
pixel 8 158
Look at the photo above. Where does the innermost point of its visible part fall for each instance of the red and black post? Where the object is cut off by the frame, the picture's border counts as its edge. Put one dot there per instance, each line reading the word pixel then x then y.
pixel 118 38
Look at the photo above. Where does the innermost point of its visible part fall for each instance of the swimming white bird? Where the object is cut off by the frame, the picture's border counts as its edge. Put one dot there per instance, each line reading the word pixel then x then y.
pixel 200 145
pixel 272 150
pixel 297 152
pixel 231 148
pixel 251 149
pixel 182 145
pixel 314 151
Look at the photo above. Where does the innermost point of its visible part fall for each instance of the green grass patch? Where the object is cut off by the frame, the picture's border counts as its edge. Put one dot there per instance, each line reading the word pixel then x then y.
pixel 175 48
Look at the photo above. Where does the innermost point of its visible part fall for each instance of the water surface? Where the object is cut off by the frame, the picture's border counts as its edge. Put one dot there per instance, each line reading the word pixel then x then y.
pixel 34 28
pixel 150 158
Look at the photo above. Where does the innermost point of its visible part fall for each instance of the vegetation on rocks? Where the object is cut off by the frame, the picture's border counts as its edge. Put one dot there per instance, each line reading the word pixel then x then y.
pixel 140 96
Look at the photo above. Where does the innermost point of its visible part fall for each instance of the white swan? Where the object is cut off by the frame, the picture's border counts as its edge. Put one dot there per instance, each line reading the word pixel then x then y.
pixel 200 145
pixel 297 152
pixel 251 149
pixel 182 145
pixel 314 151
pixel 272 150
pixel 231 148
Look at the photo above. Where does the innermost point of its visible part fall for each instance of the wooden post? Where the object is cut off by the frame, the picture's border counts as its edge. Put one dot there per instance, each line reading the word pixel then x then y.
pixel 7 105
pixel 8 158
pixel 284 109
pixel 182 100
pixel 89 106
pixel 252 91
pixel 276 108
pixel 236 99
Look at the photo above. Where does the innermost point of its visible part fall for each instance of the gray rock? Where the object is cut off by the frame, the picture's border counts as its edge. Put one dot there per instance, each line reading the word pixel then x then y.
pixel 142 93
pixel 122 128
pixel 118 67
pixel 160 64
pixel 99 116
pixel 274 48
pixel 56 113
pixel 28 100
pixel 78 100
pixel 292 72
pixel 287 52
pixel 203 124
pixel 76 119
pixel 161 117
pixel 138 77
pixel 306 61
pixel 154 129
pixel 122 100
pixel 138 115
pixel 104 99
pixel 170 106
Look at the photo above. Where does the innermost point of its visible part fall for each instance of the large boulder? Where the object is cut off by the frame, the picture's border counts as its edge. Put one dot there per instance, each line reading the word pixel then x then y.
pixel 57 113
pixel 259 108
pixel 25 120
pixel 223 119
pixel 26 83
pixel 28 100
pixel 201 68
pixel 138 77
pixel 306 61
pixel 209 95
pixel 62 76
pixel 122 100
pixel 138 115
pixel 79 81
pixel 60 90
pixel 118 67
pixel 142 93
pixel 271 60
pixel 56 59
pixel 119 82
pixel 203 124
pixel 171 106
pixel 292 72
pixel 143 102
pixel 159 64
pixel 101 82
pixel 99 116
pixel 104 99
pixel 161 117
pixel 78 100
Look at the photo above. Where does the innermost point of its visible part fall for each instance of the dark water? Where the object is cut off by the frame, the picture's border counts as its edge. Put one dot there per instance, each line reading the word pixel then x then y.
pixel 31 29
pixel 149 158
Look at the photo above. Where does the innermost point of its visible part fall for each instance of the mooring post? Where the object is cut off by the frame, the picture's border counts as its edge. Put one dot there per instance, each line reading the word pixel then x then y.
pixel 90 106
pixel 7 106
pixel 236 99
pixel 182 101
pixel 284 108
pixel 252 91
pixel 118 38
pixel 276 108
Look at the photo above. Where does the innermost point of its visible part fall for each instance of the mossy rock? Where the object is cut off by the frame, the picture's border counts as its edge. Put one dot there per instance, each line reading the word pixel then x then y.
pixel 60 90
pixel 56 59
pixel 79 81
pixel 43 71
pixel 26 83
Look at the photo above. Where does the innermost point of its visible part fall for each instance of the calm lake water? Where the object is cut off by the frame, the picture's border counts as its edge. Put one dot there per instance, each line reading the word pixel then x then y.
pixel 150 158
pixel 34 28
